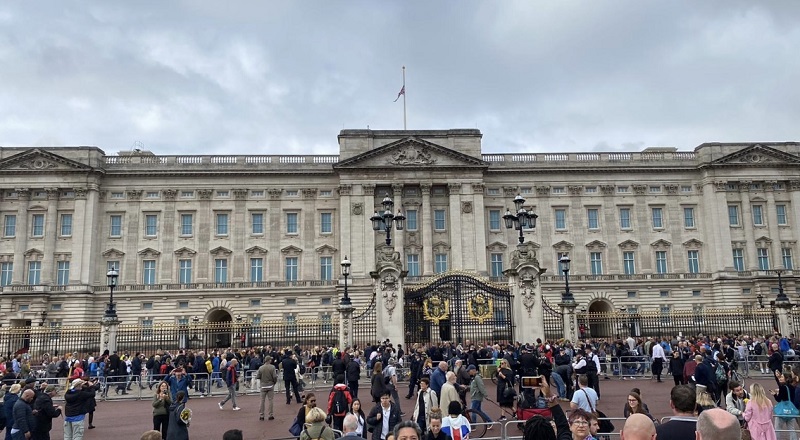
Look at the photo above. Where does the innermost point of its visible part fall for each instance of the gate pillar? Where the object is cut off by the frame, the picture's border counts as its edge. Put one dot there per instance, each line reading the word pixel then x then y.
pixel 345 325
pixel 388 285
pixel 782 309
pixel 570 320
pixel 523 282
pixel 108 334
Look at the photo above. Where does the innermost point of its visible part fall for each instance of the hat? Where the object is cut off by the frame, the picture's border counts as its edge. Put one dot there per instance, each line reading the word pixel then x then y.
pixel 30 380
pixel 76 383
pixel 50 389
pixel 471 368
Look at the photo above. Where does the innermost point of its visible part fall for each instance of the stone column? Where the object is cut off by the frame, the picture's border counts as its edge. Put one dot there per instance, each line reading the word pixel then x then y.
pixel 426 223
pixel 746 222
pixel 478 228
pixel 782 309
pixel 388 284
pixel 346 215
pixel 523 280
pixel 51 228
pixel 570 320
pixel 108 334
pixel 773 231
pixel 456 257
pixel 345 325
pixel 21 233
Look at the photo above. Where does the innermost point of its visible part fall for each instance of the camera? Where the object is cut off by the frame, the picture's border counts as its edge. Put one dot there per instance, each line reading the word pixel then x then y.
pixel 532 381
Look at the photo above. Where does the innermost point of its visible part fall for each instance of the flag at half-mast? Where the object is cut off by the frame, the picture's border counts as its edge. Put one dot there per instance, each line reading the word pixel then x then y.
pixel 402 92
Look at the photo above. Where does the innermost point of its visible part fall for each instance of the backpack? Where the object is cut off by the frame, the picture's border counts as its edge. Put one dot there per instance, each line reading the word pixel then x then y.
pixel 339 405
pixel 758 350
pixel 720 374
pixel 163 368
pixel 315 438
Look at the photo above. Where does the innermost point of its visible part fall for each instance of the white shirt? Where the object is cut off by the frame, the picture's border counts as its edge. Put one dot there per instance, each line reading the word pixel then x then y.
pixel 385 421
pixel 658 352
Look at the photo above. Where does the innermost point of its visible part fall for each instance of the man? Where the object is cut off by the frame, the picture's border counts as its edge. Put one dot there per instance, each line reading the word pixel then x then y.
pixel 438 378
pixel 592 368
pixel 200 376
pixel 659 359
pixel 232 434
pixel 74 412
pixel 24 422
pixel 477 392
pixel 349 426
pixel 231 379
pixel 288 365
pixel 564 370
pixel 585 398
pixel 775 363
pixel 638 427
pixel 416 369
pixel 45 413
pixel 426 401
pixel 338 368
pixel 353 373
pixel 718 424
pixel 390 379
pixel 339 400
pixel 407 430
pixel 384 417
pixel 704 374
pixel 178 380
pixel 267 376
pixel 683 424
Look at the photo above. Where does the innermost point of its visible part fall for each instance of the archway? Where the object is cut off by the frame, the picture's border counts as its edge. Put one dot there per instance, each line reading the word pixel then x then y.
pixel 600 319
pixel 219 330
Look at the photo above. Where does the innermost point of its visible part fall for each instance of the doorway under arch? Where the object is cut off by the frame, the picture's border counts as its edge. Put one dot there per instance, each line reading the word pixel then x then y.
pixel 601 319
pixel 220 330
pixel 219 315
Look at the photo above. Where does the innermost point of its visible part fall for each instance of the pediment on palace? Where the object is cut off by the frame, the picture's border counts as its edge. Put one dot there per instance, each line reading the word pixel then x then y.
pixel 758 155
pixel 113 253
pixel 412 153
pixel 38 160
pixel 149 253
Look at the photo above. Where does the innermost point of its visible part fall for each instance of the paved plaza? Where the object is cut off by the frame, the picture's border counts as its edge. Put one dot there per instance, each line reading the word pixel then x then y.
pixel 126 418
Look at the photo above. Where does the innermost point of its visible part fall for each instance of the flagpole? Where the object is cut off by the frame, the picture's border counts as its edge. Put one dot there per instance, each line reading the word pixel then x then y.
pixel 404 99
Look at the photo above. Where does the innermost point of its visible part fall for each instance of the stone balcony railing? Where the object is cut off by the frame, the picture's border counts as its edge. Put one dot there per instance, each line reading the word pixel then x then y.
pixel 155 163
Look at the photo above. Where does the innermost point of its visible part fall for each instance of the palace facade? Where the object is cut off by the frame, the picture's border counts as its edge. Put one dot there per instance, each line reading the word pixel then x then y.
pixel 261 237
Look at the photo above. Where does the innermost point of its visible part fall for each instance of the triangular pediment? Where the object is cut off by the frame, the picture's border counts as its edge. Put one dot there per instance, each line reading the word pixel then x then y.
pixel 32 251
pixel 661 243
pixel 326 250
pixel 412 153
pixel 113 253
pixel 149 253
pixel 291 250
pixel 185 252
pixel 220 250
pixel 256 250
pixel 758 155
pixel 563 246
pixel 692 243
pixel 37 160
pixel 595 244
pixel 628 244
pixel 497 247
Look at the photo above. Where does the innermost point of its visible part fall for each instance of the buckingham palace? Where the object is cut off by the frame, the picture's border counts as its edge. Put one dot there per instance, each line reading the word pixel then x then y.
pixel 219 238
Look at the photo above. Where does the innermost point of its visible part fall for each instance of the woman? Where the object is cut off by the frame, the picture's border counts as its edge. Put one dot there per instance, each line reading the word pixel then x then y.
pixel 315 426
pixel 540 428
pixel 704 401
pixel 309 403
pixel 676 367
pixel 635 405
pixel 435 432
pixel 785 392
pixel 356 410
pixel 377 383
pixel 427 368
pixel 162 400
pixel 178 429
pixel 426 402
pixel 456 425
pixel 758 414
pixel 505 380
pixel 91 403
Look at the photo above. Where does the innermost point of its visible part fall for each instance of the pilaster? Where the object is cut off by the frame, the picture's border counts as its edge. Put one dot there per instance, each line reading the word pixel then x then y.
pixel 21 233
pixel 455 230
pixel 51 232
pixel 478 231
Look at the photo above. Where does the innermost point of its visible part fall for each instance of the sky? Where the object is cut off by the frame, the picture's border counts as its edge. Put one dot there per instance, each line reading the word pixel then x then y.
pixel 284 77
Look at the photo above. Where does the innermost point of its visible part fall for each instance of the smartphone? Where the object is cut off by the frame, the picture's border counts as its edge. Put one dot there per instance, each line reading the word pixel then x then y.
pixel 532 381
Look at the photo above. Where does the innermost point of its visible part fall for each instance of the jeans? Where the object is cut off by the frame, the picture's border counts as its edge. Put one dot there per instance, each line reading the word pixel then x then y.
pixel 475 405
pixel 231 396
pixel 73 430
pixel 560 385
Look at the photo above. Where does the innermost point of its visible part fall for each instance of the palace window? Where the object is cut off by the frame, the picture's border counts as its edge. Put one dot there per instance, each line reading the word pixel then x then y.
pixel 222 224
pixel 186 224
pixel 257 221
pixel 596 263
pixel 66 225
pixel 688 217
pixel 786 256
pixel 325 223
pixel 494 220
pixel 412 265
pixel 116 226
pixel 439 220
pixel 738 260
pixel 658 219
pixel 256 270
pixel 763 258
pixel 693 256
pixel 149 272
pixel 6 273
pixel 326 268
pixel 291 269
pixel 151 225
pixel 291 223
pixel 62 273
pixel 497 264
pixel 411 219
pixel 758 217
pixel 37 225
pixel 440 263
pixel 10 226
pixel 34 272
pixel 625 218
pixel 661 262
pixel 628 262
pixel 780 214
pixel 185 271
pixel 592 218
pixel 733 215
pixel 561 219
pixel 221 270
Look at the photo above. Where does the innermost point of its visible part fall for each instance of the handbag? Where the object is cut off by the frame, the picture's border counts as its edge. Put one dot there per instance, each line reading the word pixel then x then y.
pixel 296 428
pixel 746 435
pixel 786 409
pixel 509 392
pixel 602 418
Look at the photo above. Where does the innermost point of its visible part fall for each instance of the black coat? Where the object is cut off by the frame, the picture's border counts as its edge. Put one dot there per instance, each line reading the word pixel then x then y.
pixel 177 430
pixel 377 425
pixel 46 412
pixel 23 416
pixel 353 371
pixel 288 364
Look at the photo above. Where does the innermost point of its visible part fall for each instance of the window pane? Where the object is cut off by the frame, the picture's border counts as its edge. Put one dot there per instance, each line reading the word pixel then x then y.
pixel 62 273
pixel 657 218
pixel 440 263
pixel 596 260
pixel 221 270
pixel 438 217
pixel 694 261
pixel 37 228
pixel 688 217
pixel 628 263
pixel 149 272
pixel 561 219
pixel 763 259
pixel 325 221
pixel 786 256
pixel 151 225
pixel 34 272
pixel 258 223
pixel 497 265
pixel 661 261
pixel 66 225
pixel 733 215
pixel 6 273
pixel 738 260
pixel 494 220
pixel 411 219
pixel 412 265
pixel 326 268
pixel 625 218
pixel 291 268
pixel 222 224
pixel 10 226
pixel 592 218
pixel 256 269
pixel 758 218
pixel 780 213
pixel 291 223
pixel 116 226
pixel 185 271
pixel 186 224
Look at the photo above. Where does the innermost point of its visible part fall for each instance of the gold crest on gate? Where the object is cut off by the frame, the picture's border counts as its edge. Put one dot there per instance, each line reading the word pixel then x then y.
pixel 436 309
pixel 480 308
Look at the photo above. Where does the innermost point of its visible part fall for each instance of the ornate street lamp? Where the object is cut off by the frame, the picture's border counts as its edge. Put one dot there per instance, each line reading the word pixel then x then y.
pixel 387 220
pixel 345 301
pixel 44 318
pixel 522 219
pixel 567 297
pixel 760 299
pixel 781 298
pixel 111 312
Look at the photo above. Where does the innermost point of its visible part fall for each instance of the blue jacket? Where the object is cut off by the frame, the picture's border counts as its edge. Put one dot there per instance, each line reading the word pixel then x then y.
pixel 438 379
pixel 176 385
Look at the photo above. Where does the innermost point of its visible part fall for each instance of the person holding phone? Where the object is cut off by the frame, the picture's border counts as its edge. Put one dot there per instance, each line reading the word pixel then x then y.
pixel 162 399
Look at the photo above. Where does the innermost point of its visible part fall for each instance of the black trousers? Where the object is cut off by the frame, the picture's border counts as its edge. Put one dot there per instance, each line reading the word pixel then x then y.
pixel 161 423
pixel 291 384
pixel 353 385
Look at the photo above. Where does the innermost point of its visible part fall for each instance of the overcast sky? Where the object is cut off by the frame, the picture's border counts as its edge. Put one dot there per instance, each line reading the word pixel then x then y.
pixel 268 77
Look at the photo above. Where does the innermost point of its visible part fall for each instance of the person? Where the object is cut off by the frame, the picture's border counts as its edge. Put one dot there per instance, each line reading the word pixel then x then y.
pixel 455 424
pixel 735 400
pixel 309 402
pixel 377 382
pixel 75 409
pixel 704 401
pixel 718 424
pixel 682 400
pixel 91 403
pixel 350 425
pixel 407 430
pixel 505 379
pixel 659 359
pixel 435 432
pixel 289 365
pixel 775 362
pixel 178 380
pixel 339 401
pixel 315 427
pixel 178 427
pixel 390 381
pixel 785 392
pixel 151 435
pixel 635 406
pixel 9 400
pixel 231 379
pixel 162 400
pixel 267 377
pixel 758 414
pixel 361 418
pixel 477 392
pixel 23 419
pixel 449 392
pixel 383 417
pixel 46 411
pixel 438 377
pixel 638 427
pixel 585 398
pixel 426 401
pixel 676 364
pixel 233 434
pixel 353 373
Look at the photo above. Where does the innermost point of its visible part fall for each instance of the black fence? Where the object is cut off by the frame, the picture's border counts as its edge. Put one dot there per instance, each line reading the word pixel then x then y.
pixel 52 340
pixel 553 323
pixel 365 325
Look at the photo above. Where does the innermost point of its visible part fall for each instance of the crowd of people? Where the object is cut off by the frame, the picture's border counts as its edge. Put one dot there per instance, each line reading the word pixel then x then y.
pixel 446 386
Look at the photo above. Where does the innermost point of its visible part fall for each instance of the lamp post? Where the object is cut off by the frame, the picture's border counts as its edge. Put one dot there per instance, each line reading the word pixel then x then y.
pixel 567 297
pixel 387 220
pixel 760 299
pixel 345 301
pixel 111 312
pixel 44 318
pixel 781 298
pixel 522 219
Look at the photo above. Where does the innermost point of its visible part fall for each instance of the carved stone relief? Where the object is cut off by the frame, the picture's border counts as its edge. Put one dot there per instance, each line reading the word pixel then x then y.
pixel 411 155
pixel 357 208
pixel 466 207
pixel 389 292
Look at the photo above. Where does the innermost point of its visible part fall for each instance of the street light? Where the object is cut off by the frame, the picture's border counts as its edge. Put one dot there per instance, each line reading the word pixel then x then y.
pixel 385 221
pixel 567 297
pixel 44 318
pixel 781 298
pixel 111 312
pixel 345 301
pixel 760 299
pixel 522 219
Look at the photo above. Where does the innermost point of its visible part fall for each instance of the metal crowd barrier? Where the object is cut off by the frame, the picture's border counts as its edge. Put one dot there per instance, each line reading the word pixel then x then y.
pixel 792 425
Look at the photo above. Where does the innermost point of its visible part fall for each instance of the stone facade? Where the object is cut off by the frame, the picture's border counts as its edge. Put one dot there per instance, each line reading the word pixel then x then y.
pixel 261 237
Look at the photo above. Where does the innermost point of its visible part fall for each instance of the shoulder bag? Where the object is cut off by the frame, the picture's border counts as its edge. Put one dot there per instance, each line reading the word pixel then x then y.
pixel 786 409
pixel 605 424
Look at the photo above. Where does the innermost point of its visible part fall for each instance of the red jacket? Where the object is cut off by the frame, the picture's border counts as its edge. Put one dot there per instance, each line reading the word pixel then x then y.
pixel 339 387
